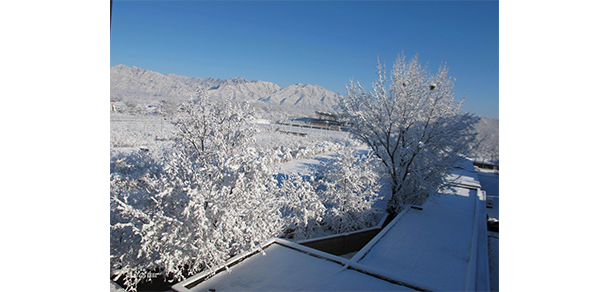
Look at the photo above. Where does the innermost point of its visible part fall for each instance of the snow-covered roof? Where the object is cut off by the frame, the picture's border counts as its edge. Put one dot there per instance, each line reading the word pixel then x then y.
pixel 435 248
pixel 464 175
pixel 286 266
pixel 442 247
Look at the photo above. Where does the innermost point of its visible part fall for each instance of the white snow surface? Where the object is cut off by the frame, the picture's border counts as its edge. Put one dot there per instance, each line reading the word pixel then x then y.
pixel 282 268
pixel 306 166
pixel 464 175
pixel 430 247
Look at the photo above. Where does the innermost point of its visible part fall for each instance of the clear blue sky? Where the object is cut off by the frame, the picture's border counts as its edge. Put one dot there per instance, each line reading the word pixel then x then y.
pixel 318 42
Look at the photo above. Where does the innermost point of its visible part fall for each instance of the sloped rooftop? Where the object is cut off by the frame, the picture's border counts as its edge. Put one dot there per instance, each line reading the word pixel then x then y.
pixel 431 248
pixel 285 266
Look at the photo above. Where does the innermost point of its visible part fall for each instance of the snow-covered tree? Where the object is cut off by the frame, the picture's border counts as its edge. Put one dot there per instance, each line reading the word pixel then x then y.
pixel 215 130
pixel 206 199
pixel 349 188
pixel 302 209
pixel 134 108
pixel 413 125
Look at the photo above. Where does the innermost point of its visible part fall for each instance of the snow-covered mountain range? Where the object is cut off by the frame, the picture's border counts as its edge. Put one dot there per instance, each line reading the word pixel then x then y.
pixel 146 87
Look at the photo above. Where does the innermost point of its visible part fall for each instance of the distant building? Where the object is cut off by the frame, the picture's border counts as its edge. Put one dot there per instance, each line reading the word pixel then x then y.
pixel 326 116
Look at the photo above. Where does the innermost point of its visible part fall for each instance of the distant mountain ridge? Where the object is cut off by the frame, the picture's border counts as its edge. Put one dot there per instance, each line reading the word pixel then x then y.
pixel 137 84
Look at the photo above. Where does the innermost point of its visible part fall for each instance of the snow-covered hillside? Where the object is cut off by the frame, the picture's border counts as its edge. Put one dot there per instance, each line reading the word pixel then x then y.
pixel 127 83
pixel 240 89
pixel 141 86
pixel 305 96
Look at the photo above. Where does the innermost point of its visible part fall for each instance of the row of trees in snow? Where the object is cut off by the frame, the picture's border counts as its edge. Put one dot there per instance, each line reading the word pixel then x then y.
pixel 211 196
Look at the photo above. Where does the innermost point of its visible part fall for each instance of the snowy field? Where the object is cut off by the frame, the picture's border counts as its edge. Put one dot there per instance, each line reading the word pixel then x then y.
pixel 129 131
pixel 133 132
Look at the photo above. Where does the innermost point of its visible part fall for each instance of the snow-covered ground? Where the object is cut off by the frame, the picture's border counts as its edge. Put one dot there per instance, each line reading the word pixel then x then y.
pixel 306 166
